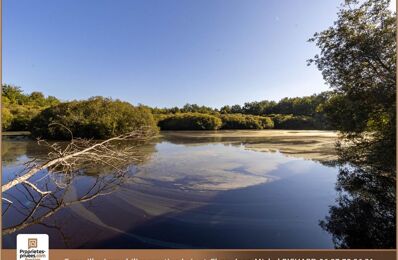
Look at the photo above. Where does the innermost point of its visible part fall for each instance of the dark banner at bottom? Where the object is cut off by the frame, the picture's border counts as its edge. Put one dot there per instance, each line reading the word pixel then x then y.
pixel 102 254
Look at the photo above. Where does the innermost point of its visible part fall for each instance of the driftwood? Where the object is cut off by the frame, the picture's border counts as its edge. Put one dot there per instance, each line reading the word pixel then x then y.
pixel 47 195
pixel 44 205
pixel 82 151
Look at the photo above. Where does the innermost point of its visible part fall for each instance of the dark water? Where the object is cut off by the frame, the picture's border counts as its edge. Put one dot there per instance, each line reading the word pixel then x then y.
pixel 193 191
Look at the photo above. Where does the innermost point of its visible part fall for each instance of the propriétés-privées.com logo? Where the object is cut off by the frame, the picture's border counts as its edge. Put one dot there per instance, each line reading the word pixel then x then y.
pixel 32 247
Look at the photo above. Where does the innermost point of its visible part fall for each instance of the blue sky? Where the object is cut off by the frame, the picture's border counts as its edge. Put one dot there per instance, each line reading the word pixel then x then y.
pixel 165 52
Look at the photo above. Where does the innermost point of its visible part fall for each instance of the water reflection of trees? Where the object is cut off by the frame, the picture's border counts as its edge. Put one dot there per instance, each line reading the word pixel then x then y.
pixel 317 146
pixel 30 207
pixel 358 61
pixel 33 202
pixel 364 214
pixel 15 147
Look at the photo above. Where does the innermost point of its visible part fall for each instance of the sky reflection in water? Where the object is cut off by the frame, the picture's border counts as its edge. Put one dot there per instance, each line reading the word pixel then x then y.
pixel 197 193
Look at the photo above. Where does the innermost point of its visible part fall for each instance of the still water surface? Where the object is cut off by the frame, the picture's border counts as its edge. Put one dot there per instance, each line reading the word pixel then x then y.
pixel 227 189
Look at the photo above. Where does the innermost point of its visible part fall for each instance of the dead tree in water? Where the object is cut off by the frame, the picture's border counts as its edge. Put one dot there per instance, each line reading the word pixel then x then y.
pixel 80 153
pixel 36 208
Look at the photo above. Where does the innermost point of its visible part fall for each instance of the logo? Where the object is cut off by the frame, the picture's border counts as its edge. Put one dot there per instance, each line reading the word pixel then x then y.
pixel 32 243
pixel 32 247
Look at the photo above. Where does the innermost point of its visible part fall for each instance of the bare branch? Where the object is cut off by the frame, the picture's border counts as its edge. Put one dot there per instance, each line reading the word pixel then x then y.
pixel 83 152
pixel 36 188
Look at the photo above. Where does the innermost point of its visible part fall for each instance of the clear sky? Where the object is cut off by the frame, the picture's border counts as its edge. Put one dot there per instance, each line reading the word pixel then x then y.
pixel 165 52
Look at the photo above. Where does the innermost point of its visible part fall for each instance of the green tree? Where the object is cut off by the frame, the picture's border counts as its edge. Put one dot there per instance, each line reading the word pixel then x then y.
pixel 37 98
pixel 190 121
pixel 6 118
pixel 96 117
pixel 358 60
pixel 13 93
pixel 240 121
pixel 225 109
pixel 22 107
pixel 236 109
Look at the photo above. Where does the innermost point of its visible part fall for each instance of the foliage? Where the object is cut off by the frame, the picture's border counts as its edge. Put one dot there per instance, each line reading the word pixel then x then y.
pixel 293 122
pixel 22 116
pixel 23 108
pixel 358 60
pixel 198 121
pixel 19 108
pixel 298 106
pixel 239 121
pixel 96 117
pixel 307 111
pixel 187 108
pixel 6 118
pixel 190 121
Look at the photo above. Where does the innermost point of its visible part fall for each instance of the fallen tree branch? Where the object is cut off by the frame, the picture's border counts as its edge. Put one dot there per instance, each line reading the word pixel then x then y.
pixel 36 188
pixel 82 151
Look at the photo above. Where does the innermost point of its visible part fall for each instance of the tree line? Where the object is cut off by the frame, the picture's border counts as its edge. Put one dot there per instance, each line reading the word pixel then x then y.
pixel 100 117
pixel 297 106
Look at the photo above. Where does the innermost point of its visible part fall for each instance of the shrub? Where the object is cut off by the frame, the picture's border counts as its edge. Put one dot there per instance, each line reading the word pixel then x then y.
pixel 96 117
pixel 22 107
pixel 6 118
pixel 266 122
pixel 189 121
pixel 160 117
pixel 239 121
pixel 293 122
pixel 22 116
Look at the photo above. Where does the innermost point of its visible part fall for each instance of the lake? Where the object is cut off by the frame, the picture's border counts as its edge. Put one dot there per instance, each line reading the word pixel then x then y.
pixel 213 189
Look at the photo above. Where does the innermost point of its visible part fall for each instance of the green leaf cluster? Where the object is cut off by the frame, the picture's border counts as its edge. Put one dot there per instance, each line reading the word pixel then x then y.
pixel 190 121
pixel 358 60
pixel 294 122
pixel 97 118
pixel 19 108
pixel 240 121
